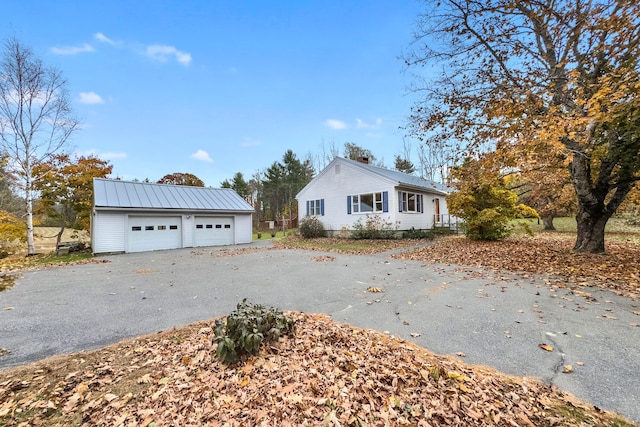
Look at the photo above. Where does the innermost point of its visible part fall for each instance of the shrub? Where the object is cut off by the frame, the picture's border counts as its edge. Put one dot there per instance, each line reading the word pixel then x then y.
pixel 247 328
pixel 375 227
pixel 311 227
pixel 413 233
pixel 488 224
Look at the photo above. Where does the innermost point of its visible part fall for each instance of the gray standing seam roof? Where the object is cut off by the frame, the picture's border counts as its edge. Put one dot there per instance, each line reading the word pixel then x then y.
pixel 126 194
pixel 401 177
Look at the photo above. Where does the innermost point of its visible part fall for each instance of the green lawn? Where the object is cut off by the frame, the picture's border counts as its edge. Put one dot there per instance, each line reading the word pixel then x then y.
pixel 619 228
pixel 266 235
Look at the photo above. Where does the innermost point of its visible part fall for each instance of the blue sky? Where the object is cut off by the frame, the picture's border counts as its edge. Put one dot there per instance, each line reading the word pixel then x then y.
pixel 218 87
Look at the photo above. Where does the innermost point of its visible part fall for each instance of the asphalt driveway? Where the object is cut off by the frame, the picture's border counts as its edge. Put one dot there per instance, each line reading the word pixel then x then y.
pixel 489 318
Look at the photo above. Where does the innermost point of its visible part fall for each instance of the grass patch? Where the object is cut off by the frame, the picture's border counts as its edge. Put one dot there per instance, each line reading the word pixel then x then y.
pixel 618 229
pixel 344 245
pixel 266 235
pixel 578 416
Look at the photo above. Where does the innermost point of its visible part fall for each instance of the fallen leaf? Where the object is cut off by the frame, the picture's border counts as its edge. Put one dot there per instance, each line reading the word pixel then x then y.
pixel 567 369
pixel 545 347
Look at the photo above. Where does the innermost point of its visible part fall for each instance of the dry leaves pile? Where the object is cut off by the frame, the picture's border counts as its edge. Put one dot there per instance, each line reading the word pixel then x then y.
pixel 618 269
pixel 326 374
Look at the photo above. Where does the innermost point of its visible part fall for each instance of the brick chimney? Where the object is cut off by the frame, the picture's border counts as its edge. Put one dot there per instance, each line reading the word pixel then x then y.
pixel 364 160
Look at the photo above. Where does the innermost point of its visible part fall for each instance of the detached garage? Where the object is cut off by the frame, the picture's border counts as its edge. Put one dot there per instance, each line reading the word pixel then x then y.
pixel 138 216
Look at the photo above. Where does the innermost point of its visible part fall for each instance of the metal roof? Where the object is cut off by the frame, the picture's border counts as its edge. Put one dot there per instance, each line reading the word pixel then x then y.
pixel 110 193
pixel 400 177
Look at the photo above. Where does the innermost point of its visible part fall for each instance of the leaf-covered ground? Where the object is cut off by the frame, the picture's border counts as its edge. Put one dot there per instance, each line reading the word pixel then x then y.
pixel 547 254
pixel 325 374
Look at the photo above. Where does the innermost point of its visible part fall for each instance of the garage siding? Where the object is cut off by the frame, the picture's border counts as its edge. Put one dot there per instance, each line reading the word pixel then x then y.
pixel 109 232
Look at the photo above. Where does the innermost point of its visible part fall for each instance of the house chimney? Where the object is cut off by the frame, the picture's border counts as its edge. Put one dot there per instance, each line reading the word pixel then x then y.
pixel 364 160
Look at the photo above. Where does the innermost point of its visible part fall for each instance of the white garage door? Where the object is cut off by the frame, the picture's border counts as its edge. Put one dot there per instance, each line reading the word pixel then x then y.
pixel 150 233
pixel 213 231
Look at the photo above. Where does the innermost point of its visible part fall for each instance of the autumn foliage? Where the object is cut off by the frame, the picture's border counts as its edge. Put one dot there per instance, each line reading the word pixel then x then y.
pixel 181 178
pixel 66 187
pixel 12 229
pixel 483 201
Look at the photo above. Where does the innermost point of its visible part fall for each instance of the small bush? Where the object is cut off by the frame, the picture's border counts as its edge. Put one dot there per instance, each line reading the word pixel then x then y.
pixel 488 224
pixel 375 227
pixel 247 328
pixel 413 233
pixel 311 227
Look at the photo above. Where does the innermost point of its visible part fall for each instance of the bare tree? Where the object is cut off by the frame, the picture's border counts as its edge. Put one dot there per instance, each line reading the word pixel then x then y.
pixel 433 162
pixel 326 155
pixel 36 120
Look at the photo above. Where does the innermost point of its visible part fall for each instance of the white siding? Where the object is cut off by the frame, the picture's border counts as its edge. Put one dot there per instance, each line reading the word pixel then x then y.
pixel 243 229
pixel 335 184
pixel 108 232
pixel 187 230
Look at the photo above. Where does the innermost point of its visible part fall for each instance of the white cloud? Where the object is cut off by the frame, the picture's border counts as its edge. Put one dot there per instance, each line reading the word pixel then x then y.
pixel 248 142
pixel 101 37
pixel 362 125
pixel 90 98
pixel 162 53
pixel 202 155
pixel 72 50
pixel 336 124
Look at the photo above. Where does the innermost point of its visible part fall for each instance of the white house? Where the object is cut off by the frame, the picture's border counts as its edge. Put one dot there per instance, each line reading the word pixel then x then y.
pixel 137 216
pixel 347 191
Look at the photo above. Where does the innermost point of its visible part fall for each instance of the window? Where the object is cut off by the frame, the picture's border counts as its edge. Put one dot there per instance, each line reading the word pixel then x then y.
pixel 219 226
pixel 209 225
pixel 365 203
pixel 149 227
pixel 227 226
pixel 410 202
pixel 162 227
pixel 199 226
pixel 173 227
pixel 315 207
pixel 136 228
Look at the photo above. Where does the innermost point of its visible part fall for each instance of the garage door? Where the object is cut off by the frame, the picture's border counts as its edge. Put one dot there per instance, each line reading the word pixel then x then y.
pixel 150 233
pixel 213 231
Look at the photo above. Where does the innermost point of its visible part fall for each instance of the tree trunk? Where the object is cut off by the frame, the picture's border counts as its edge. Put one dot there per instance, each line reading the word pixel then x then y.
pixel 59 236
pixel 548 223
pixel 31 245
pixel 590 231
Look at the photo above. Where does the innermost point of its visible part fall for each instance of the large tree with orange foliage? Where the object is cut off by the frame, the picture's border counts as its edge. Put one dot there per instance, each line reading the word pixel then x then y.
pixel 535 76
pixel 66 188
